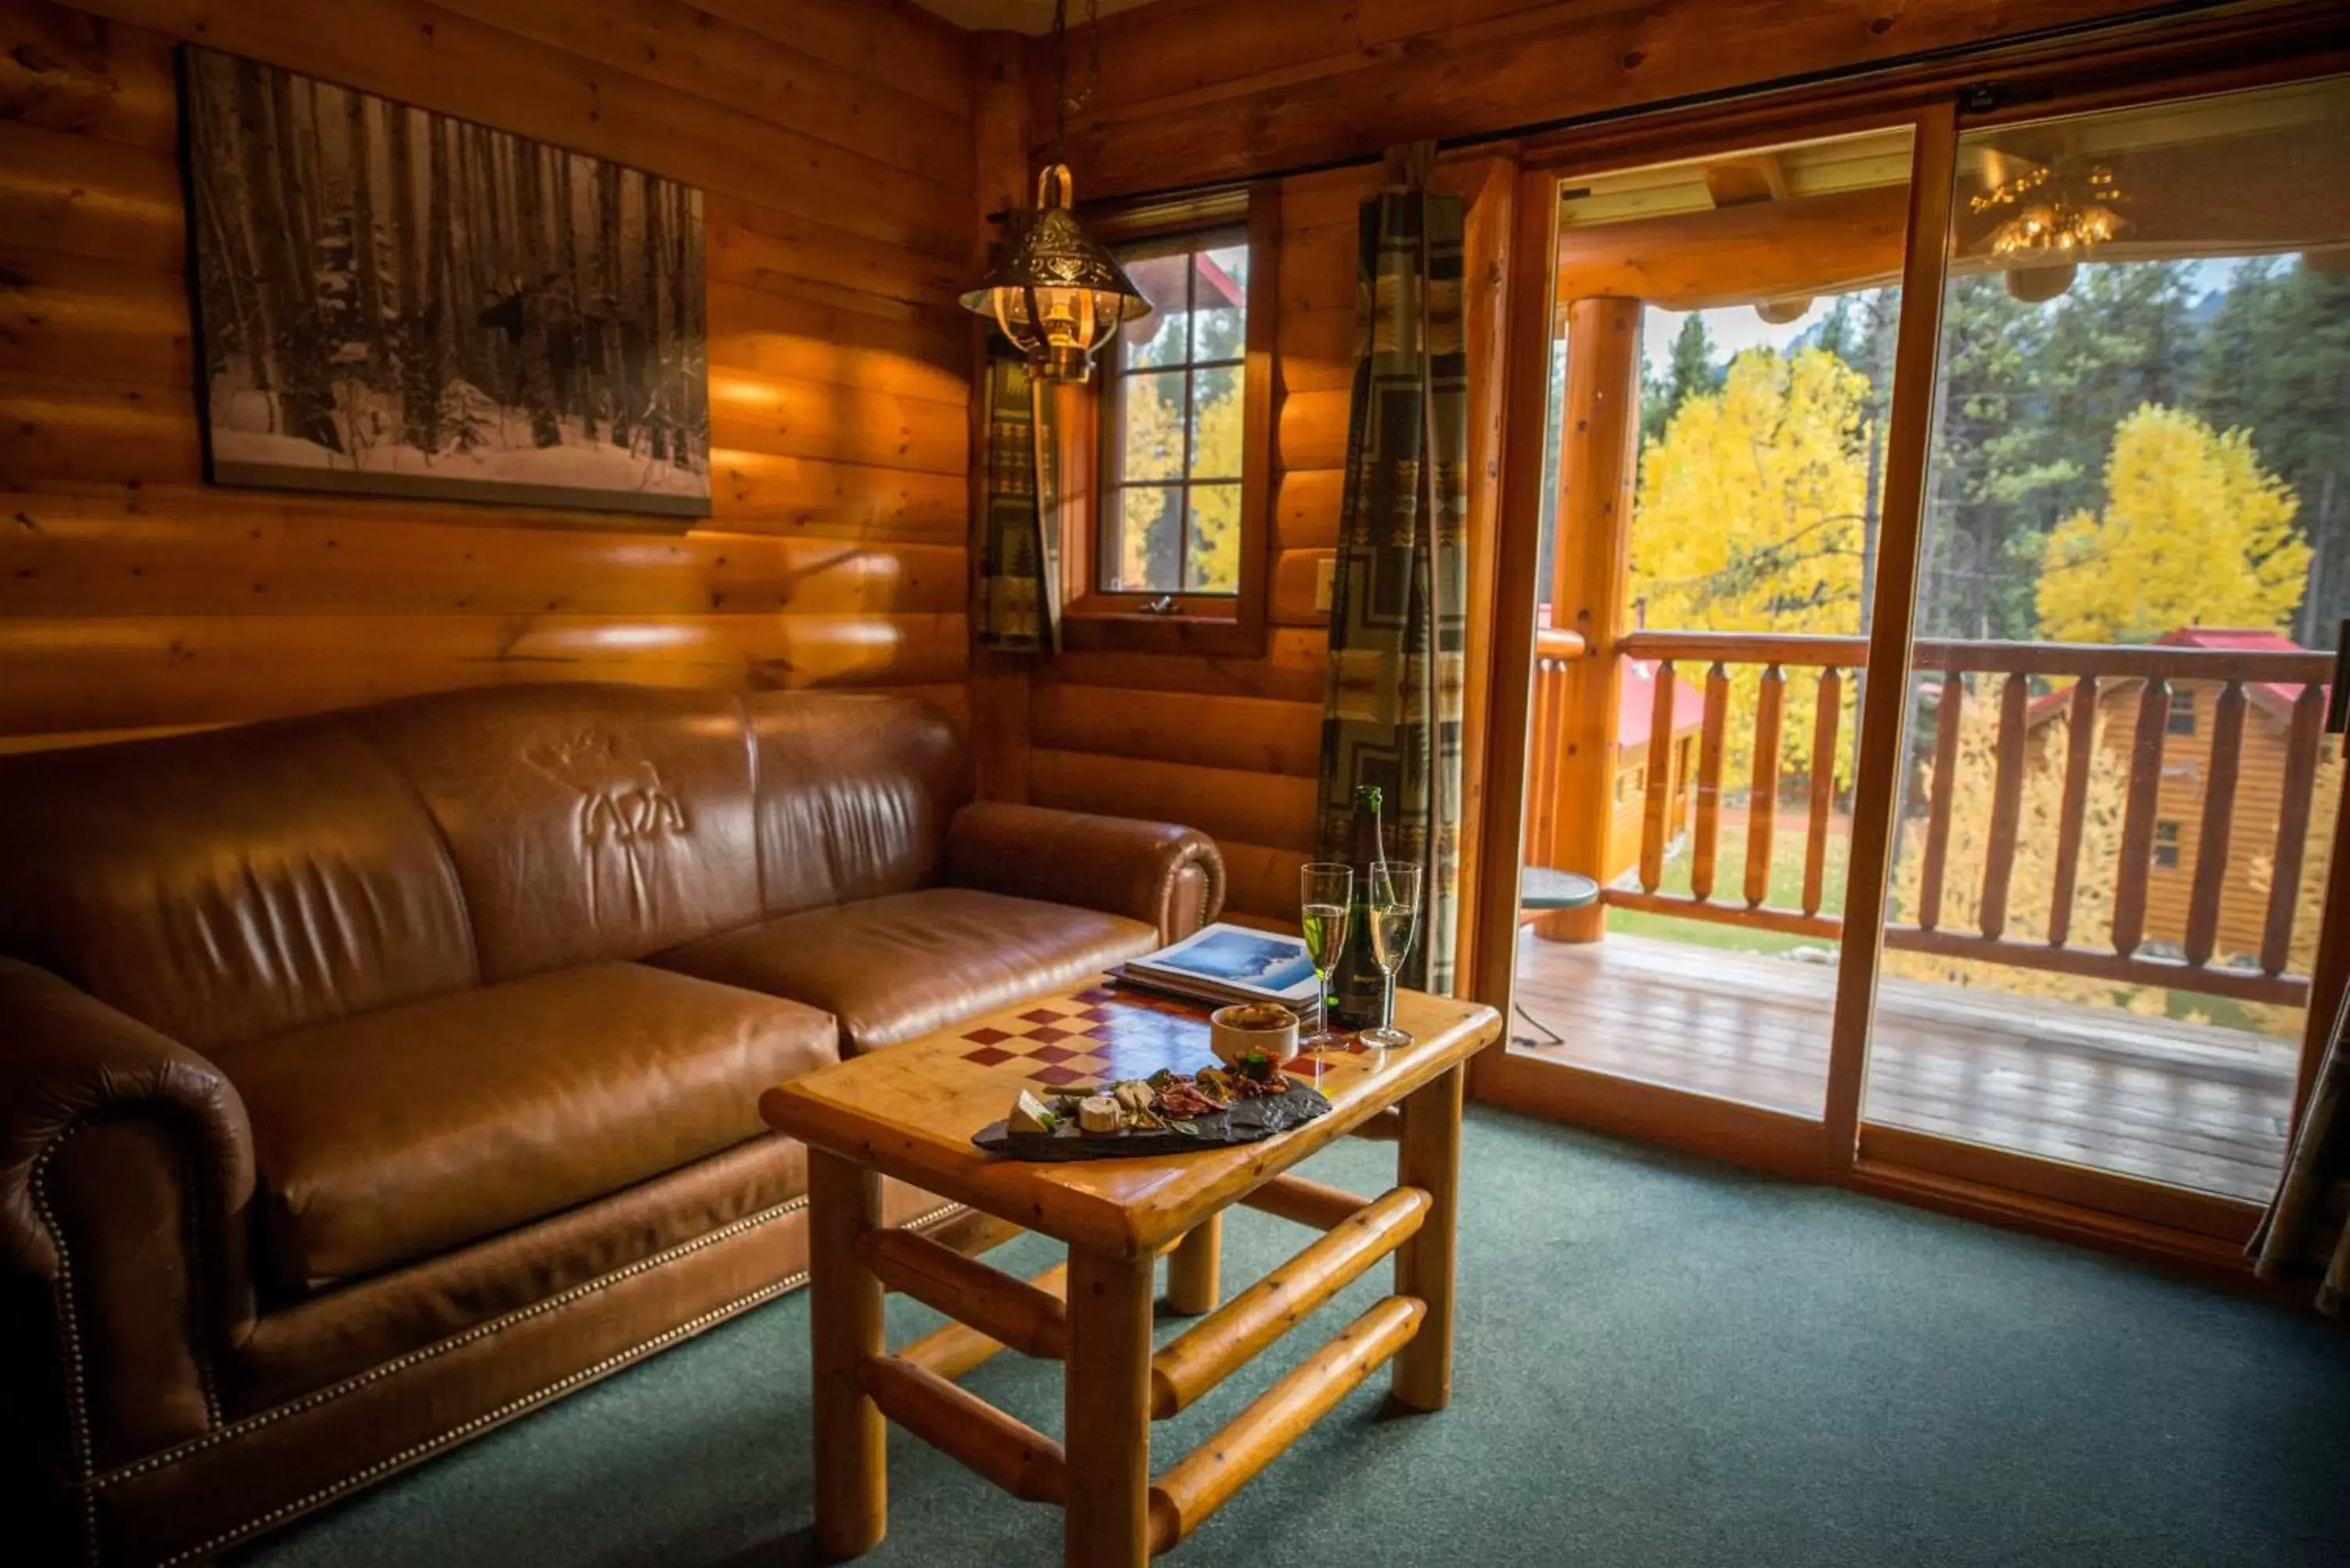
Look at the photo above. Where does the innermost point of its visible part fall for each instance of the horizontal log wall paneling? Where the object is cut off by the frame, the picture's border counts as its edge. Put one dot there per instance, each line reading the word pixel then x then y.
pixel 1232 745
pixel 1221 89
pixel 829 139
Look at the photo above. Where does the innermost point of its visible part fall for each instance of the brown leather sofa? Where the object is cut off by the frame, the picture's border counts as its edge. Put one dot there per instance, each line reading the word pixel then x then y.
pixel 368 1080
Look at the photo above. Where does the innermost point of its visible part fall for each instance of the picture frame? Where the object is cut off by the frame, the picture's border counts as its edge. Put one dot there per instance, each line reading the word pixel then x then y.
pixel 393 302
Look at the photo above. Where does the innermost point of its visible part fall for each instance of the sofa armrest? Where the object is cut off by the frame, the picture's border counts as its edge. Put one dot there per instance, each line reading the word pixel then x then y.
pixel 1167 877
pixel 66 1058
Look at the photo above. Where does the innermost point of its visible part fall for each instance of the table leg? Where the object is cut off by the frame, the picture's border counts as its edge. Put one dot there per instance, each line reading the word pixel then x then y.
pixel 1108 1430
pixel 852 1496
pixel 1429 1156
pixel 1194 1267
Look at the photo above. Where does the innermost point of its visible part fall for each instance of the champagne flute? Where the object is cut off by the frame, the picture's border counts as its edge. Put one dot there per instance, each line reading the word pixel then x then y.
pixel 1391 915
pixel 1324 891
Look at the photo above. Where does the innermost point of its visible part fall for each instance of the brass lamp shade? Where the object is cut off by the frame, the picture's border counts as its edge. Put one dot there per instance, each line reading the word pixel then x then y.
pixel 1055 291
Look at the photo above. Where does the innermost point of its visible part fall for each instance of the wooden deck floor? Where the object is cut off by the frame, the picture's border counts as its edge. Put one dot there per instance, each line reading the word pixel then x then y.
pixel 2195 1106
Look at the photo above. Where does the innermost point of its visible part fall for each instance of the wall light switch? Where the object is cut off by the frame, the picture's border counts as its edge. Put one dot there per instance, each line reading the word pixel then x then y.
pixel 1324 577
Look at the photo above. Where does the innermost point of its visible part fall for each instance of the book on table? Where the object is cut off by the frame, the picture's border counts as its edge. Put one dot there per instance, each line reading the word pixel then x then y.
pixel 1226 963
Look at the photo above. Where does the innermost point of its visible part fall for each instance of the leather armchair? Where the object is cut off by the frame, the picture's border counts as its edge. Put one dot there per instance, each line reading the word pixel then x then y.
pixel 1167 877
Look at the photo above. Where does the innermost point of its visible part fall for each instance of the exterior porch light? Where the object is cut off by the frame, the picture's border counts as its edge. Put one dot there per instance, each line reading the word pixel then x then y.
pixel 2058 224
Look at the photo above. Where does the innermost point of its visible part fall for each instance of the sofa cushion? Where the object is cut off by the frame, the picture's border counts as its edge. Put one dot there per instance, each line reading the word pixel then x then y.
pixel 855 791
pixel 587 822
pixel 760 1185
pixel 231 884
pixel 895 969
pixel 402 1133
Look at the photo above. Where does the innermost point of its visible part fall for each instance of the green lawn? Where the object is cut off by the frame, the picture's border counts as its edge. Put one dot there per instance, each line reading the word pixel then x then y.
pixel 1730 885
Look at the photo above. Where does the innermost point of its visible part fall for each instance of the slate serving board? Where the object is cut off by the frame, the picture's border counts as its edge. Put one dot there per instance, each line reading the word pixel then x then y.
pixel 1247 1121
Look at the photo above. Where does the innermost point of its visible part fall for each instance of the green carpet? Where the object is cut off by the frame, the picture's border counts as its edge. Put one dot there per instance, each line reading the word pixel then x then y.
pixel 1660 1361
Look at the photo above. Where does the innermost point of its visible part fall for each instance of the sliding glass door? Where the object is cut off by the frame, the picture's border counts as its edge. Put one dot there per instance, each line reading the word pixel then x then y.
pixel 2116 800
pixel 1722 362
pixel 1941 564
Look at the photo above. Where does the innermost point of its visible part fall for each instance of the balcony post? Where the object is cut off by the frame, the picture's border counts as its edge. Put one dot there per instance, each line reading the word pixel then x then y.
pixel 1590 565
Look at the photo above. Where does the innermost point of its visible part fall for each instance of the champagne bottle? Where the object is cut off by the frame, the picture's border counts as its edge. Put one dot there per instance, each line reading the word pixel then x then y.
pixel 1361 995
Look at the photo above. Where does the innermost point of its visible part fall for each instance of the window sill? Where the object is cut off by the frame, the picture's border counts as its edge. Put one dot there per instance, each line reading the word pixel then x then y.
pixel 1102 625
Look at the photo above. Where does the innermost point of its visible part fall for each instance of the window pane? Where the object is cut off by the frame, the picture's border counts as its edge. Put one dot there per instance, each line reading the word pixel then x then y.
pixel 1219 304
pixel 1143 540
pixel 1150 411
pixel 2141 436
pixel 1755 368
pixel 1171 431
pixel 1161 338
pixel 1213 565
pixel 1216 423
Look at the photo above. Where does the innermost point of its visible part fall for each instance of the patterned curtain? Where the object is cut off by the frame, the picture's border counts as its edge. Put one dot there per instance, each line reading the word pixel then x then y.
pixel 1019 554
pixel 2309 1223
pixel 1391 709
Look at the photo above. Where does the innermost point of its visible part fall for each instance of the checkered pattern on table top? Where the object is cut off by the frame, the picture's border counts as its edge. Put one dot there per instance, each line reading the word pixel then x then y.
pixel 1098 1035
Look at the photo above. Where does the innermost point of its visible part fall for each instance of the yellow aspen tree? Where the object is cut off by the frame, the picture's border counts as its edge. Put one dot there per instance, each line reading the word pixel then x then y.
pixel 1150 432
pixel 1749 518
pixel 1216 514
pixel 2195 532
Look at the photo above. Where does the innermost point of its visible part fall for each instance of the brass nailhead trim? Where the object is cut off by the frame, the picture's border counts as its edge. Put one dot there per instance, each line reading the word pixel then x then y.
pixel 438 1348
pixel 415 1451
pixel 458 1433
pixel 69 1330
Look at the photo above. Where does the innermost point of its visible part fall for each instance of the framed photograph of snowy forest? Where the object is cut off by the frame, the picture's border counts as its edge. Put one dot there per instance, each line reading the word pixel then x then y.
pixel 393 302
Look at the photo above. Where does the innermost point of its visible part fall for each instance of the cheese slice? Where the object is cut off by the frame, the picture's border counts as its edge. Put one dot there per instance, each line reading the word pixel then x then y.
pixel 1029 1115
pixel 1099 1113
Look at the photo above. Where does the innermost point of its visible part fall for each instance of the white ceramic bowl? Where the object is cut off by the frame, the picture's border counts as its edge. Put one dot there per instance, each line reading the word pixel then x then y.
pixel 1236 1032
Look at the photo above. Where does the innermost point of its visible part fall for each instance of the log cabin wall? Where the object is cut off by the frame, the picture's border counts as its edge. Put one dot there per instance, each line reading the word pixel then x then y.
pixel 831 140
pixel 1194 91
pixel 1231 746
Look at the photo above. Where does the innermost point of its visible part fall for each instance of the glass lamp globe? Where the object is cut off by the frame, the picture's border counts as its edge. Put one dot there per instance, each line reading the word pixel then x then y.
pixel 1055 291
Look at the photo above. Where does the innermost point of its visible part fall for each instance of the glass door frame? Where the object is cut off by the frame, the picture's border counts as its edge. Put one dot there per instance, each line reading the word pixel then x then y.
pixel 1952 1172
pixel 1841 1146
pixel 1777 1139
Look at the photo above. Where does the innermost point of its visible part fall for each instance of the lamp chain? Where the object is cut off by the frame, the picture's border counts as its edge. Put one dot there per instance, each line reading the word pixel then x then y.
pixel 1064 100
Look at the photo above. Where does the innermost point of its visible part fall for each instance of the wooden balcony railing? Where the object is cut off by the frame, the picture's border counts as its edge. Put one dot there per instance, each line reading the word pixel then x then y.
pixel 2290 687
pixel 1555 653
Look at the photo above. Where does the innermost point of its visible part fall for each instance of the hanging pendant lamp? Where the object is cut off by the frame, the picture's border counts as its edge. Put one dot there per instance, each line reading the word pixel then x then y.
pixel 1055 291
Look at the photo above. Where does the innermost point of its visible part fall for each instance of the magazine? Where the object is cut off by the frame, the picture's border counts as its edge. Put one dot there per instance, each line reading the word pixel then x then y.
pixel 1224 963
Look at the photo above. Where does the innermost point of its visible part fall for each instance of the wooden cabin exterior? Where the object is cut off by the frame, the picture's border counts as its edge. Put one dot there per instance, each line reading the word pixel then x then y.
pixel 2190 726
pixel 1638 750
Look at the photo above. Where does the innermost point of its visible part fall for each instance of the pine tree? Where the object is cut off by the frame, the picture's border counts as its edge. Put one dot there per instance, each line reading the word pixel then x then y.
pixel 420 360
pixel 283 238
pixel 1691 373
pixel 1997 466
pixel 2276 364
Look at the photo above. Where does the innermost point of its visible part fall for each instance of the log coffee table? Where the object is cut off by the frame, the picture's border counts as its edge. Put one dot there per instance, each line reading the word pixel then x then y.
pixel 909 1112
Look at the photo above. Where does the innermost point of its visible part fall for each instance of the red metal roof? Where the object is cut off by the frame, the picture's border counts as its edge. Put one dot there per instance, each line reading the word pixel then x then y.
pixel 1161 279
pixel 1635 702
pixel 2276 697
pixel 2282 694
